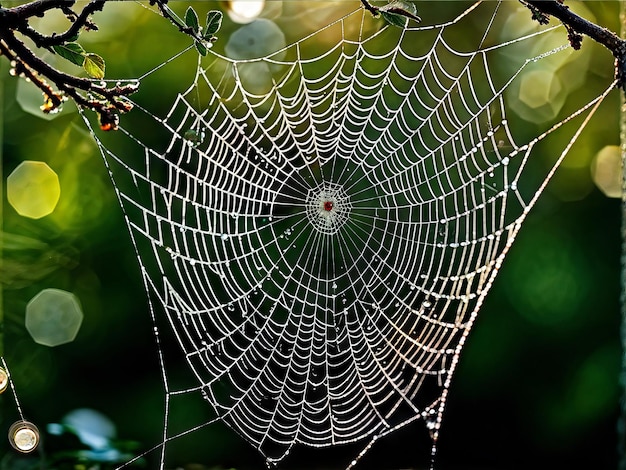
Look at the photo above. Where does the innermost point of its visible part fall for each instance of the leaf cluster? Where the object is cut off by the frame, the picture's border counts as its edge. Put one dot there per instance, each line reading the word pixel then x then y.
pixel 396 12
pixel 93 64
pixel 204 38
pixel 107 101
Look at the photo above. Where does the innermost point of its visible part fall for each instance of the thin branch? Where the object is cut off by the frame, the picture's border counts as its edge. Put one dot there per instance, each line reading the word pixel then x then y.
pixel 79 21
pixel 14 17
pixel 107 102
pixel 576 26
pixel 371 8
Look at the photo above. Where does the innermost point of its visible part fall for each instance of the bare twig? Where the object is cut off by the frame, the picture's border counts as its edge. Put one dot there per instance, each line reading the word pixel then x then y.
pixel 369 7
pixel 577 26
pixel 107 101
pixel 79 21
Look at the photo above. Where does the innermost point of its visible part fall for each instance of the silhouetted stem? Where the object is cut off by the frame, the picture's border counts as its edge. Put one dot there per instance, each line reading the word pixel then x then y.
pixel 108 101
pixel 577 25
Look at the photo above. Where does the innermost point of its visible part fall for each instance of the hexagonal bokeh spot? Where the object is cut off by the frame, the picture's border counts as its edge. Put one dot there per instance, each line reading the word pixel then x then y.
pixel 606 171
pixel 53 317
pixel 33 189
pixel 541 96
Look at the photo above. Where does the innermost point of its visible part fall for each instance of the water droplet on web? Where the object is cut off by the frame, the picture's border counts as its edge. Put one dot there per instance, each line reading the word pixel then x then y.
pixel 224 237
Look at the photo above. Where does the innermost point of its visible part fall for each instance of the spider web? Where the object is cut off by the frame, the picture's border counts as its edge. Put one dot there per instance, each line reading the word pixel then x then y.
pixel 318 227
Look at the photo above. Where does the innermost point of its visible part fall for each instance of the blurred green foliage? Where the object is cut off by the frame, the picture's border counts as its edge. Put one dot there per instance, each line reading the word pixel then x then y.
pixel 537 385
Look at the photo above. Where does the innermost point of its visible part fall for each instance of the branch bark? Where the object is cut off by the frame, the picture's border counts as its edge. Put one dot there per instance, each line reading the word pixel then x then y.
pixel 577 26
pixel 107 101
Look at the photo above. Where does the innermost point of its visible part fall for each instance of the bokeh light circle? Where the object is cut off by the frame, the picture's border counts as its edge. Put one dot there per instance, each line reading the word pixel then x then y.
pixel 33 189
pixel 24 436
pixel 53 317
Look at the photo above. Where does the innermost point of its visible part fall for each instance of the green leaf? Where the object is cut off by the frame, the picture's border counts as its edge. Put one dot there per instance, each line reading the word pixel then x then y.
pixel 213 23
pixel 191 19
pixel 399 12
pixel 201 48
pixel 71 51
pixel 94 65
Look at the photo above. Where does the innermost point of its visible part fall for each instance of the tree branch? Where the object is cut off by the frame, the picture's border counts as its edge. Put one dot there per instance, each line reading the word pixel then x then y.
pixel 369 7
pixel 107 101
pixel 577 26
pixel 80 21
pixel 19 15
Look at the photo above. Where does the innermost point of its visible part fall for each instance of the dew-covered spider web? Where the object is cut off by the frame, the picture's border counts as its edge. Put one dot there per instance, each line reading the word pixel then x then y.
pixel 318 227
